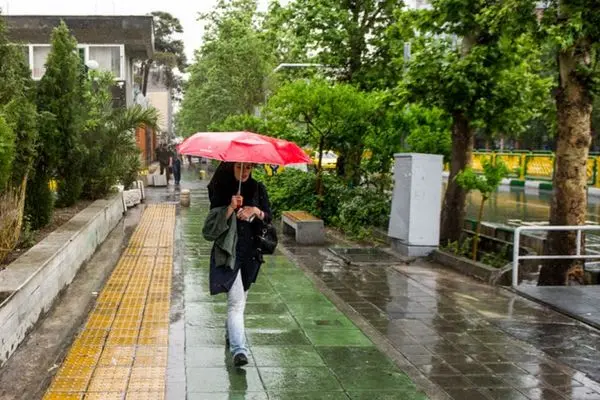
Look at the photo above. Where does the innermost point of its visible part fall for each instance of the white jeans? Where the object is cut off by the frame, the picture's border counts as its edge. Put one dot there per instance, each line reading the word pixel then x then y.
pixel 236 304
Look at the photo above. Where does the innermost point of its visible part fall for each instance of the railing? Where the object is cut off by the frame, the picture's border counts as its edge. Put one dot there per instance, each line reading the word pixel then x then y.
pixel 532 165
pixel 576 256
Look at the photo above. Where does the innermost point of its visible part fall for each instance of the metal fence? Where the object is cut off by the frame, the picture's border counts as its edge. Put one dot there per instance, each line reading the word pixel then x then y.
pixel 537 166
pixel 577 256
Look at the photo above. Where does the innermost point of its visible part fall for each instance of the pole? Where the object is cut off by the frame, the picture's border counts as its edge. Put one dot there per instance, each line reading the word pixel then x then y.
pixel 240 183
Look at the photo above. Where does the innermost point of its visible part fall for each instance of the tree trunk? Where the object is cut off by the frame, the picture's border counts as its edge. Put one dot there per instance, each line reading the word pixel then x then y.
pixel 145 75
pixel 569 199
pixel 453 208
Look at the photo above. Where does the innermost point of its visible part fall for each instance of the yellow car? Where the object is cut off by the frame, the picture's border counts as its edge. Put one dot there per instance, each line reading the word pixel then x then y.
pixel 329 160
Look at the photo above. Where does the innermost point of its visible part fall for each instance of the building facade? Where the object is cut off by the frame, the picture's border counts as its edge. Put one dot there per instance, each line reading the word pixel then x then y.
pixel 115 43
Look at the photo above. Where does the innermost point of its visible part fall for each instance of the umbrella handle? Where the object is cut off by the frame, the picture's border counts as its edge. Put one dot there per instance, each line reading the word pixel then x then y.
pixel 240 181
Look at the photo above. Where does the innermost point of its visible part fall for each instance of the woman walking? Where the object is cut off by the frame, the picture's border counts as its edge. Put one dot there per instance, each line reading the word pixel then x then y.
pixel 235 219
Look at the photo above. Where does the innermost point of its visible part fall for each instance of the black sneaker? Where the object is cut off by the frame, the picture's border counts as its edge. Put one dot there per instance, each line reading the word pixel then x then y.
pixel 240 359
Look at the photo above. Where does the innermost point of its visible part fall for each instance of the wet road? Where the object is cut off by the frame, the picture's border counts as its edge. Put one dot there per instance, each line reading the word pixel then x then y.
pixel 519 203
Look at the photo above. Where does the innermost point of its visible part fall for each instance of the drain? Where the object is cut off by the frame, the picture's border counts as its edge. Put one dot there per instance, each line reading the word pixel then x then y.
pixel 365 255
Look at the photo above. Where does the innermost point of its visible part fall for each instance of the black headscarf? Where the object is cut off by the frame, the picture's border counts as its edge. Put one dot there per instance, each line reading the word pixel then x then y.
pixel 223 186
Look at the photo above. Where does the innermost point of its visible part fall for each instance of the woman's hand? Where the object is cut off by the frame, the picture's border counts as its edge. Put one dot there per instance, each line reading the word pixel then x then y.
pixel 236 202
pixel 246 213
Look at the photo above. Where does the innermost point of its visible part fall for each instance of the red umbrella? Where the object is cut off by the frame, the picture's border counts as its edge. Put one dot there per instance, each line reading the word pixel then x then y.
pixel 245 147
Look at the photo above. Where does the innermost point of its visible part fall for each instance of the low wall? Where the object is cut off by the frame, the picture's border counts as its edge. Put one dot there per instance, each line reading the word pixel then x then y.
pixel 33 281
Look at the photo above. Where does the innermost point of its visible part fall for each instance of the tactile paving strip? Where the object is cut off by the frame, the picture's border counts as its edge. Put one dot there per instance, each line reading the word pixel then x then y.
pixel 122 350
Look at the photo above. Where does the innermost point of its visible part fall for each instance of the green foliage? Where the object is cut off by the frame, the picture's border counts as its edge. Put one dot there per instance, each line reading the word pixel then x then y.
pixel 347 37
pixel 229 73
pixel 486 184
pixel 108 137
pixel 7 152
pixel 429 131
pixel 18 111
pixel 169 52
pixel 337 117
pixel 60 93
pixel 39 202
pixel 353 210
pixel 240 122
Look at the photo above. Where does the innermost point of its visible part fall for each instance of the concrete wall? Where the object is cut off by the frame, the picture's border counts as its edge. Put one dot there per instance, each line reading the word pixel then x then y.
pixel 161 100
pixel 37 277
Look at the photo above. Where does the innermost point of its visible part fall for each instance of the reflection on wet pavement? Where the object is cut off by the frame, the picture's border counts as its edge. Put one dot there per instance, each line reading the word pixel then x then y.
pixel 301 345
pixel 474 341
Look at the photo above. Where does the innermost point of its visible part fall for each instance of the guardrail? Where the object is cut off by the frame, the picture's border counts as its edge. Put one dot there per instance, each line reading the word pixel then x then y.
pixel 526 165
pixel 538 228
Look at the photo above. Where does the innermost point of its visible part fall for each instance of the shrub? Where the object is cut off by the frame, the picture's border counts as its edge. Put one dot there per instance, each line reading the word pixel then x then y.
pixel 353 210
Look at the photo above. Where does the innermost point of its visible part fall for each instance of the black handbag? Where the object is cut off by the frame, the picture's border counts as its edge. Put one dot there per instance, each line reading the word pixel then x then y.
pixel 267 236
pixel 267 239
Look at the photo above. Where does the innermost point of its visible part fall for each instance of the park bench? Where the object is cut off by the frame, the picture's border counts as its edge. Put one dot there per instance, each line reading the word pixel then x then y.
pixel 307 228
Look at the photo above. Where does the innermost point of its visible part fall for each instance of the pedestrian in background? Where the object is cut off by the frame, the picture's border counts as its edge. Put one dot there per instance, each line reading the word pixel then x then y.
pixel 235 220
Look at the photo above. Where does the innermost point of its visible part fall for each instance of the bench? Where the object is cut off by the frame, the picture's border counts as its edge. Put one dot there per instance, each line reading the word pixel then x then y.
pixel 307 228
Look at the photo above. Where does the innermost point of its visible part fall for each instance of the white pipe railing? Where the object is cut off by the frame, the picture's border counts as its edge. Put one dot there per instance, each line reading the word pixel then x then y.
pixel 576 256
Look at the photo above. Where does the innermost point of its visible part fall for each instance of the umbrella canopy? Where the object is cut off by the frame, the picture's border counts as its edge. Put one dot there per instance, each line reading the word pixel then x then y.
pixel 246 147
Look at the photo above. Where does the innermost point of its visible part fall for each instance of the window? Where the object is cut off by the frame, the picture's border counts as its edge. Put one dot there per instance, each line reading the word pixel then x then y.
pixel 40 54
pixel 81 54
pixel 107 57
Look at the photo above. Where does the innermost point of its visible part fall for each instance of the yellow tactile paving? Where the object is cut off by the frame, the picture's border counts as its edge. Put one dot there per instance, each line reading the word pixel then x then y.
pixel 122 350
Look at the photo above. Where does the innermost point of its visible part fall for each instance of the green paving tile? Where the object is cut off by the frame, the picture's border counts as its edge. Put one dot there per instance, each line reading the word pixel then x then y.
pixel 277 321
pixel 312 297
pixel 308 396
pixel 266 308
pixel 198 336
pixel 325 321
pixel 207 356
pixel 286 356
pixel 338 337
pixel 228 396
pixel 309 309
pixel 355 357
pixel 388 395
pixel 211 380
pixel 262 297
pixel 373 378
pixel 299 379
pixel 276 337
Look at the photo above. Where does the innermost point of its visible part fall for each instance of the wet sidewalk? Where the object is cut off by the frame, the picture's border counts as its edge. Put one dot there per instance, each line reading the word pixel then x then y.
pixel 470 340
pixel 302 346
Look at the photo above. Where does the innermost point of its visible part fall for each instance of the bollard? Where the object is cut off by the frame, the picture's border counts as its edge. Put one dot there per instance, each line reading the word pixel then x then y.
pixel 202 174
pixel 184 198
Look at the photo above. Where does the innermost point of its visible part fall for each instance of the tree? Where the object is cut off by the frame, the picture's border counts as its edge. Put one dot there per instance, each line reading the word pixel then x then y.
pixel 229 73
pixel 112 155
pixel 169 53
pixel 337 117
pixel 486 184
pixel 345 35
pixel 485 80
pixel 429 131
pixel 572 27
pixel 60 93
pixel 18 134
